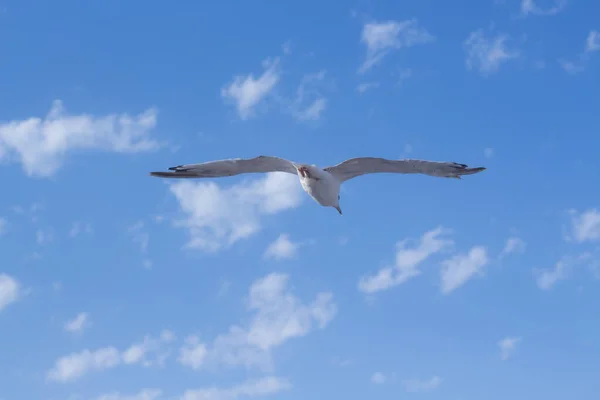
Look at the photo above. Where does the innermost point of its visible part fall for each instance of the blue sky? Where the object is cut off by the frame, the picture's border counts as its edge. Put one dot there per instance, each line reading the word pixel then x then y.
pixel 118 286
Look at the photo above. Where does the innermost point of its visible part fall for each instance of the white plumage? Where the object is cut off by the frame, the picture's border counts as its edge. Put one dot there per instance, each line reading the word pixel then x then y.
pixel 323 185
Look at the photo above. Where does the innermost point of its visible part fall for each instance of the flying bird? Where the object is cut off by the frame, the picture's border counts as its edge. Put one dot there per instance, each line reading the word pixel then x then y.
pixel 323 185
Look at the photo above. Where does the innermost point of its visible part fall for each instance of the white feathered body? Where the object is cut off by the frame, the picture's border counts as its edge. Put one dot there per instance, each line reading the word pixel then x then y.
pixel 321 186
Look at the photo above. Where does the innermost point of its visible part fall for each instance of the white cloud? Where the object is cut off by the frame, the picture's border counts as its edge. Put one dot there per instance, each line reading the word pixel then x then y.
pixel 508 346
pixel 10 290
pixel 167 336
pixel 487 53
pixel 342 362
pixel 224 288
pixel 309 103
pixel 378 378
pixel 282 248
pixel 457 270
pixel 513 245
pixel 43 236
pixel 313 111
pixel 585 225
pixel 144 394
pixel 278 317
pixel 79 323
pixel 247 92
pixel 529 7
pixel 415 385
pixel 407 261
pixel 363 87
pixel 252 388
pixel 138 353
pixel 75 365
pixel 193 353
pixel 218 218
pixel 383 37
pixel 139 235
pixel 547 278
pixel 592 42
pixel 403 75
pixel 570 67
pixel 41 144
pixel 78 228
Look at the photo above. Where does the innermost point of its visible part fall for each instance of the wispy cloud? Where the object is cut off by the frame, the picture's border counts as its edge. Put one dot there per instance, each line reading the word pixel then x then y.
pixel 138 353
pixel 508 346
pixel 407 261
pixel 529 7
pixel 78 228
pixel 571 67
pixel 139 235
pixel 282 248
pixel 278 316
pixel 592 42
pixel 193 353
pixel 363 87
pixel 592 45
pixel 218 217
pixel 3 226
pixel 250 389
pixel 41 144
pixel 585 226
pixel 547 278
pixel 75 365
pixel 79 323
pixel 246 92
pixel 144 394
pixel 457 270
pixel 378 378
pixel 10 290
pixel 309 103
pixel 514 245
pixel 416 385
pixel 381 38
pixel 486 53
pixel 43 236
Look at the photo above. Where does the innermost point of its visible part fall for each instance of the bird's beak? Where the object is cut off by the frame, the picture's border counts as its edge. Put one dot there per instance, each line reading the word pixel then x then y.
pixel 339 209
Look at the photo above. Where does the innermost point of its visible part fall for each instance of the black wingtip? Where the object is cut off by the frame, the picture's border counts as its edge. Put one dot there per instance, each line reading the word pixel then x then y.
pixel 475 170
pixel 174 174
pixel 160 174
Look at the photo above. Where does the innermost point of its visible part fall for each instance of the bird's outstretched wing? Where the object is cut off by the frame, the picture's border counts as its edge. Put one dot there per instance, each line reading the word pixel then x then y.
pixel 369 165
pixel 222 168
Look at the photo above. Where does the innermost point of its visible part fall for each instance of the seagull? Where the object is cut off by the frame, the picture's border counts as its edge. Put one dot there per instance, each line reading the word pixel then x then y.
pixel 323 185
